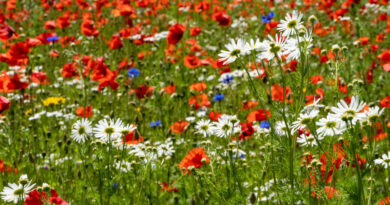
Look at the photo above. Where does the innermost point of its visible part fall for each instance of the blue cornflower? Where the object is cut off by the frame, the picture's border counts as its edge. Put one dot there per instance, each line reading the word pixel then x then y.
pixel 133 72
pixel 218 97
pixel 267 19
pixel 114 185
pixel 264 124
pixel 155 124
pixel 52 39
pixel 228 79
pixel 239 153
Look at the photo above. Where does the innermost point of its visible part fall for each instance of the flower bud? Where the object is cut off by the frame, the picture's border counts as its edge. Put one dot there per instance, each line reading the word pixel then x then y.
pixel 336 48
pixel 313 19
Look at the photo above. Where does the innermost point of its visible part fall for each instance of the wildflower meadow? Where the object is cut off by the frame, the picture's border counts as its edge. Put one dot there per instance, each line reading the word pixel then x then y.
pixel 194 102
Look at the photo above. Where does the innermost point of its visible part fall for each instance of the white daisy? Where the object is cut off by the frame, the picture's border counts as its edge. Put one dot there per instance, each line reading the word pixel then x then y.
pixel 81 129
pixel 224 128
pixel 385 160
pixel 253 45
pixel 126 129
pixel 314 106
pixel 373 114
pixel 304 119
pixel 291 24
pixel 15 192
pixel 292 46
pixel 330 126
pixel 204 127
pixel 280 128
pixel 108 130
pixel 166 149
pixel 351 112
pixel 234 50
pixel 231 118
pixel 275 47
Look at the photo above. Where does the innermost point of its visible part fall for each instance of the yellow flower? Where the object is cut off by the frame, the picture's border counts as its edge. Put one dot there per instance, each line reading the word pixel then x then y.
pixel 28 112
pixel 53 101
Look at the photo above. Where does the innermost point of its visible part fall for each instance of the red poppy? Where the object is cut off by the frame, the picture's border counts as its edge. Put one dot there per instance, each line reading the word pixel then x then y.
pixel 17 54
pixel 4 103
pixel 175 33
pixel 225 70
pixel 179 127
pixel 144 91
pixel 323 59
pixel 126 10
pixel 8 169
pixel 218 63
pixel 63 21
pixel 7 32
pixel 84 112
pixel 115 42
pixel 249 104
pixel 363 40
pixel 82 4
pixel 88 28
pixel 55 199
pixel 330 191
pixel 385 201
pixel 198 86
pixel 277 93
pixel 50 25
pixel 132 138
pixel 258 115
pixel 35 198
pixel 170 89
pixel 291 66
pixel 199 101
pixel 39 78
pixel 195 31
pixel 109 80
pixel 191 61
pixel 54 53
pixel 385 102
pixel 69 70
pixel 386 67
pixel 247 131
pixel 195 158
pixel 213 115
pixel 316 79
pixel 8 84
pixel 385 56
pixel 222 18
pixel 202 6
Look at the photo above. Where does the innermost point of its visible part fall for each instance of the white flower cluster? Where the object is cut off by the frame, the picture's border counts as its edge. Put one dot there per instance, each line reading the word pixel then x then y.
pixel 226 126
pixel 289 43
pixel 106 131
pixel 335 122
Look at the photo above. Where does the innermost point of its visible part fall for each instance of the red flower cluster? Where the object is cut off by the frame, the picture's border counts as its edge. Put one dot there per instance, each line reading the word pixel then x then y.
pixel 40 198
